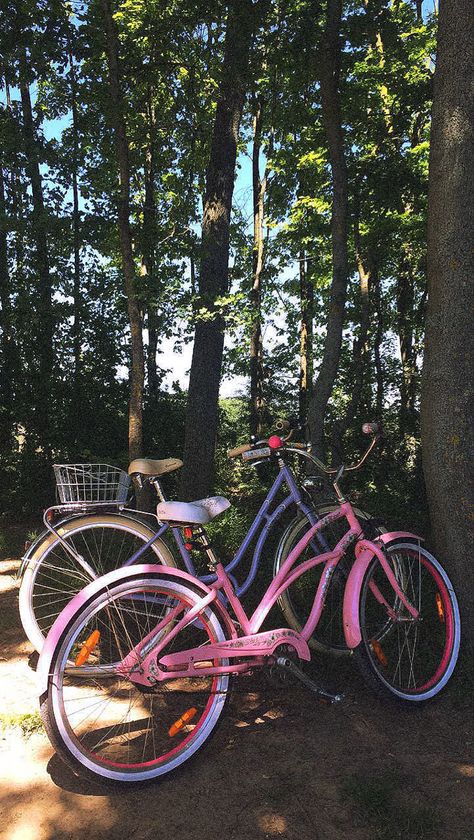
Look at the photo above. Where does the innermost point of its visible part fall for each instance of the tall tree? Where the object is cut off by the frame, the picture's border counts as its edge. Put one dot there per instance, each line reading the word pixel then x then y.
pixel 76 227
pixel 201 419
pixel 137 370
pixel 448 385
pixel 330 60
pixel 39 222
pixel 259 186
pixel 7 346
pixel 306 336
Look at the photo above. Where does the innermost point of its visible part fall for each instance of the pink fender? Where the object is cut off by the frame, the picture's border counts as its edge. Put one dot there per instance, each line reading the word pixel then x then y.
pixel 82 597
pixel 365 551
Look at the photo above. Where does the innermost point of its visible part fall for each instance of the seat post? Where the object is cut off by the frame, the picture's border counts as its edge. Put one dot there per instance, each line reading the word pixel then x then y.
pixel 202 538
pixel 157 486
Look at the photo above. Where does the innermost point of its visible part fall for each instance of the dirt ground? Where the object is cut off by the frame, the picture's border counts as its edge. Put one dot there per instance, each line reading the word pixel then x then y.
pixel 281 765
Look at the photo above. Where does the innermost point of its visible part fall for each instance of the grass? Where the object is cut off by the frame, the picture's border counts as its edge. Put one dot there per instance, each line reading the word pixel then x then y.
pixel 378 801
pixel 29 722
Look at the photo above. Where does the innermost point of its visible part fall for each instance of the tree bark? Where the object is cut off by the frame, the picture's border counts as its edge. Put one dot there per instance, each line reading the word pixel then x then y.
pixel 148 255
pixel 8 353
pixel 448 386
pixel 256 345
pixel 376 296
pixel 44 310
pixel 306 337
pixel 409 371
pixel 359 349
pixel 135 416
pixel 332 122
pixel 76 227
pixel 202 411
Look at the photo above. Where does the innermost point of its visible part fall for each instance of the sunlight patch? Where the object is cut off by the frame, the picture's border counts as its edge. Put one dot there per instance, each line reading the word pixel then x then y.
pixel 272 823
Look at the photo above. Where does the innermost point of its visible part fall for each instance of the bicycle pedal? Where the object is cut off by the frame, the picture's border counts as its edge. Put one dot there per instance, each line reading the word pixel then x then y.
pixel 286 664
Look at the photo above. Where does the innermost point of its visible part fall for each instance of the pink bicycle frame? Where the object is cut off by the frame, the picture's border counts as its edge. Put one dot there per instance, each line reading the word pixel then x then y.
pixel 253 645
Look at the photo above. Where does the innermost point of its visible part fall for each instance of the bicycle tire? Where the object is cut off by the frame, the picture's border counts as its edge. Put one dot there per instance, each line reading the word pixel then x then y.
pixel 297 600
pixel 415 658
pixel 107 729
pixel 52 577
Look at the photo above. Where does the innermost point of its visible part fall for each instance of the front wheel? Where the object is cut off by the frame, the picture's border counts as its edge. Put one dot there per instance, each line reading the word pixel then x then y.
pixel 53 576
pixel 110 729
pixel 412 658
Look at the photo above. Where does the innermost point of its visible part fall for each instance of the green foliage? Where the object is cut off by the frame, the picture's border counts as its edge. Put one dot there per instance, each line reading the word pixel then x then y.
pixel 170 64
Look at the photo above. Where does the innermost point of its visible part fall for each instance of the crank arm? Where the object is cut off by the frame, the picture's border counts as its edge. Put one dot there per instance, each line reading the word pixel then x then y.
pixel 287 665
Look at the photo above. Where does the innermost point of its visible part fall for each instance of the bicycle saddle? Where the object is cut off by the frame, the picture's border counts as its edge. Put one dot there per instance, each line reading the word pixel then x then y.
pixel 192 513
pixel 145 466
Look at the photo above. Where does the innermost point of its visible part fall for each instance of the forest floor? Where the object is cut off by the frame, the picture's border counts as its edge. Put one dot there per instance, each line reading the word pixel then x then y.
pixel 281 765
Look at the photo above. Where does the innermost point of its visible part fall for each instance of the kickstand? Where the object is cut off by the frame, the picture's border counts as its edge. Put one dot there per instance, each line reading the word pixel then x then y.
pixel 287 665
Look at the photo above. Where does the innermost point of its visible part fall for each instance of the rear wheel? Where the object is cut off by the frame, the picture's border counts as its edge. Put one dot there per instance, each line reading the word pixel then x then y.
pixel 405 657
pixel 109 728
pixel 297 600
pixel 53 576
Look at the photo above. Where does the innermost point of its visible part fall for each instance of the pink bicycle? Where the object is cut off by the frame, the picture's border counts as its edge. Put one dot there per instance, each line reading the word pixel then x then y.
pixel 161 647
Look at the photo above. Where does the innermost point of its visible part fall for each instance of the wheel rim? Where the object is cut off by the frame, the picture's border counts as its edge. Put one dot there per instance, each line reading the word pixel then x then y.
pixel 56 577
pixel 109 725
pixel 413 656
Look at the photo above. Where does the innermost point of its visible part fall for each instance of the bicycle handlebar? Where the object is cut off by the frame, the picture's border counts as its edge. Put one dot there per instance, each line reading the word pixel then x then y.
pixel 303 450
pixel 239 450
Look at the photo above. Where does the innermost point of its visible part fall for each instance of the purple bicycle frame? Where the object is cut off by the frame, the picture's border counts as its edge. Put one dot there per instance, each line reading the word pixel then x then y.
pixel 263 520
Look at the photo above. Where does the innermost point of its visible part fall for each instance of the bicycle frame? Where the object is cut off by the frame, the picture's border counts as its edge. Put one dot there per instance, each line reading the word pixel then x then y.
pixel 253 644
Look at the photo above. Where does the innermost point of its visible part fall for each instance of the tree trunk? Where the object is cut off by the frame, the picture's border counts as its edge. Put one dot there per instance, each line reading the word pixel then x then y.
pixel 359 350
pixel 201 418
pixel 332 122
pixel 256 346
pixel 306 337
pixel 409 371
pixel 148 255
pixel 76 226
pixel 135 417
pixel 448 386
pixel 376 295
pixel 8 354
pixel 44 312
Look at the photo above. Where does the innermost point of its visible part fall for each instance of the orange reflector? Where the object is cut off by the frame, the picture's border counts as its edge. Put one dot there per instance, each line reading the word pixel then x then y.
pixel 87 648
pixel 377 649
pixel 439 607
pixel 188 534
pixel 178 725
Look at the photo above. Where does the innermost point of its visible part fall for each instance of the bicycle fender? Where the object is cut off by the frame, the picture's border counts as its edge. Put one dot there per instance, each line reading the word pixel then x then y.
pixel 30 552
pixel 88 593
pixel 365 551
pixel 42 537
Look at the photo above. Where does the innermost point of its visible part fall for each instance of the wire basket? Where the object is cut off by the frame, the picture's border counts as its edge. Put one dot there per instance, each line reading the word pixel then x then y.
pixel 91 483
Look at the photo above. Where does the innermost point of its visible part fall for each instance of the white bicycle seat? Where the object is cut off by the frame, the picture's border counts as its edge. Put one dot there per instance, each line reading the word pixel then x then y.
pixel 192 513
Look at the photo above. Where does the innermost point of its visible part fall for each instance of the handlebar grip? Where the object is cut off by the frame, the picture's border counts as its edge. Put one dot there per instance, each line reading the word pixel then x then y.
pixel 282 425
pixel 298 445
pixel 234 453
pixel 371 428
